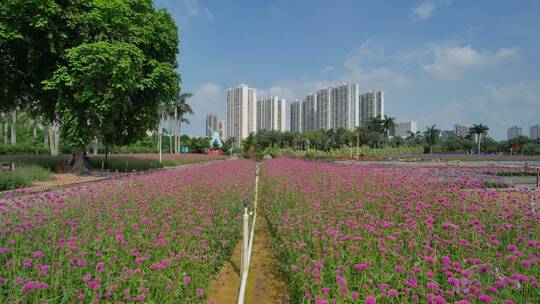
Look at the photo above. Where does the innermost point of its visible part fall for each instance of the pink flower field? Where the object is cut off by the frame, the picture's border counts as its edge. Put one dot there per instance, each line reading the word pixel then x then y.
pixel 157 237
pixel 381 234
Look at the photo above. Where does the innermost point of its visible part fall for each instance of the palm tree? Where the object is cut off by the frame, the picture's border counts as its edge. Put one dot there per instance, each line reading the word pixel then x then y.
pixel 388 123
pixel 180 108
pixel 431 135
pixel 478 129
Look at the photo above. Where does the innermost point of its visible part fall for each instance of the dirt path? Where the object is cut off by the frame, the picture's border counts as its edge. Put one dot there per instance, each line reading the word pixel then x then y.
pixel 264 283
pixel 224 289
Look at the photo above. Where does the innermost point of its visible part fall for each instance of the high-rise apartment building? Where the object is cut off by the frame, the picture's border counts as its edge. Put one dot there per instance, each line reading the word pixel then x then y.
pixel 271 114
pixel 309 113
pixel 222 128
pixel 325 108
pixel 371 106
pixel 330 108
pixel 211 124
pixel 402 129
pixel 514 132
pixel 296 116
pixel 461 130
pixel 534 132
pixel 345 104
pixel 447 134
pixel 241 112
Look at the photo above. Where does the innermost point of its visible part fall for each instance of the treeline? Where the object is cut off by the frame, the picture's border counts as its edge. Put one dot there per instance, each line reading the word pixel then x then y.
pixel 376 134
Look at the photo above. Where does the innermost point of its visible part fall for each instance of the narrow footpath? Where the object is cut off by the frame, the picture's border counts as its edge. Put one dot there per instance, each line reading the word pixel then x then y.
pixel 264 284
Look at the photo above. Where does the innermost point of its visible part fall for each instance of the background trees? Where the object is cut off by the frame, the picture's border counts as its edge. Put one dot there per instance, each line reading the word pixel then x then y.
pixel 99 69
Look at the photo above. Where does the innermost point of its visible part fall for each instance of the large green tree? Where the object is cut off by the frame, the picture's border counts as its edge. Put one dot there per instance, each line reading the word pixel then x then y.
pixel 100 68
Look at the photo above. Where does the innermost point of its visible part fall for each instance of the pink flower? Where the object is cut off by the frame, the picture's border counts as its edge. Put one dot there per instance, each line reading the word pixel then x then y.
pixel 199 292
pixel 361 266
pixel 485 299
pixel 27 262
pixel 393 293
pixel 187 279
pixel 370 300
pixel 355 295
pixel 87 278
pixel 37 254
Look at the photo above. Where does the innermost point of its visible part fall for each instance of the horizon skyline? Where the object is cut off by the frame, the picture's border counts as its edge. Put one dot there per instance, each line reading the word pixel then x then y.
pixel 438 61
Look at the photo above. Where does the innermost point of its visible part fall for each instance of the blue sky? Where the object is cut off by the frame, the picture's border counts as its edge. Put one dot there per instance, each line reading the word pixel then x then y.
pixel 439 61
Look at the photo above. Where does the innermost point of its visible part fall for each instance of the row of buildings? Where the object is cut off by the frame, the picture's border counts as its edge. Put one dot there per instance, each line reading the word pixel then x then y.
pixel 336 107
pixel 341 106
pixel 333 107
pixel 516 131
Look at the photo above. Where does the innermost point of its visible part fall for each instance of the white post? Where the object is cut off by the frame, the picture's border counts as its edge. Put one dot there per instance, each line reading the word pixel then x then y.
pixel 245 243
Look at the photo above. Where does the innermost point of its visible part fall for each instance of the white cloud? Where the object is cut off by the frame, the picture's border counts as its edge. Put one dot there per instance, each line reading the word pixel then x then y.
pixel 451 62
pixel 207 99
pixel 194 9
pixel 424 10
pixel 520 94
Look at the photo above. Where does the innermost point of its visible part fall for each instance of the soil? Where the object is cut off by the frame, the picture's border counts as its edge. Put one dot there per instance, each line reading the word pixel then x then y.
pixel 264 282
pixel 225 288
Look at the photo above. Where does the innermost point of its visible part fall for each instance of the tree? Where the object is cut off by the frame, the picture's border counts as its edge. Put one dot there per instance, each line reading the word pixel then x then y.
pixel 180 108
pixel 98 68
pixel 388 123
pixel 478 129
pixel 431 135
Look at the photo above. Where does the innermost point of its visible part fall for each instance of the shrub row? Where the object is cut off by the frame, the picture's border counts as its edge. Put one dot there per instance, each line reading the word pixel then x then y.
pixel 22 177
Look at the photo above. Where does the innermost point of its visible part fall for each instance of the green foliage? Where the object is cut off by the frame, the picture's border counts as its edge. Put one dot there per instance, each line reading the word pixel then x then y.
pixel 22 177
pixel 23 149
pixel 100 67
pixel 274 152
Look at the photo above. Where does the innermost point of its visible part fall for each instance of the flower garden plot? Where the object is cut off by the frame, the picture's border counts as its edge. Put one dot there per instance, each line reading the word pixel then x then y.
pixel 399 235
pixel 156 237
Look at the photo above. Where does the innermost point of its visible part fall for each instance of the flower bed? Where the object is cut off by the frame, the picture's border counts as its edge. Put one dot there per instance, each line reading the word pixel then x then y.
pixel 156 237
pixel 379 234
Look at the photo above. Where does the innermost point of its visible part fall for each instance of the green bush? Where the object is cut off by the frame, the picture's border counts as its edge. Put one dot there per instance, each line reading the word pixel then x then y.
pixel 22 177
pixel 22 149
pixel 49 162
pixel 124 164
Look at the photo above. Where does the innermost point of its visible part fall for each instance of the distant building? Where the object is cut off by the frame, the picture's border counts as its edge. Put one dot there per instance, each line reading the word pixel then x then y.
pixel 222 127
pixel 211 124
pixel 325 107
pixel 296 116
pixel 461 130
pixel 447 134
pixel 271 114
pixel 402 129
pixel 345 105
pixel 371 106
pixel 514 132
pixel 534 132
pixel 241 112
pixel 309 113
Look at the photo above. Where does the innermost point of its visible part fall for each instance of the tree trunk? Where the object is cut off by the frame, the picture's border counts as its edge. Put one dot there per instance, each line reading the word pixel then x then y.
pixel 35 129
pixel 479 136
pixel 178 135
pixel 45 136
pixel 14 127
pixel 6 128
pixel 171 144
pixel 106 155
pixel 95 146
pixel 54 138
pixel 430 149
pixel 79 167
pixel 176 131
